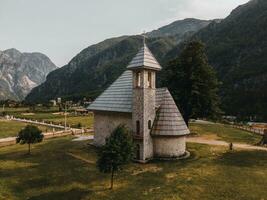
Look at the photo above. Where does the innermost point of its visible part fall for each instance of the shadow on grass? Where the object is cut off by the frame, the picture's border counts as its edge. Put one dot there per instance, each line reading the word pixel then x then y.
pixel 65 195
pixel 244 158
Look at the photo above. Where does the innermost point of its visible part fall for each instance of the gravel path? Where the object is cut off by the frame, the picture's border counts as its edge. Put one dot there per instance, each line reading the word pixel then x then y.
pixel 223 143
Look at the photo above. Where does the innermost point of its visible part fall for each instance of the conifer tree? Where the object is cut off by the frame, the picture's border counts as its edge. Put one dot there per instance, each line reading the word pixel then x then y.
pixel 193 83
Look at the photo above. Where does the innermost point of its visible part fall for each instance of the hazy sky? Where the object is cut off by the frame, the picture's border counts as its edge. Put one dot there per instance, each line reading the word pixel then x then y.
pixel 62 28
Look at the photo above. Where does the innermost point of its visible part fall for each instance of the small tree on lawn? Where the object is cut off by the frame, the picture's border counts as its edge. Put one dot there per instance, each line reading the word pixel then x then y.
pixel 117 152
pixel 30 135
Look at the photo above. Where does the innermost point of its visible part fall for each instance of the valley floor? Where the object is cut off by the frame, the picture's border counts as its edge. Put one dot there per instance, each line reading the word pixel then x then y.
pixel 65 169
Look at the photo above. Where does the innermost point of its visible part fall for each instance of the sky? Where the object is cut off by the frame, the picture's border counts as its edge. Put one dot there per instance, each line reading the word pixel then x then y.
pixel 62 28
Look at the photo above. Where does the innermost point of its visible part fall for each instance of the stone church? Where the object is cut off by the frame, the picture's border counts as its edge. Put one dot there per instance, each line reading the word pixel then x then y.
pixel 158 129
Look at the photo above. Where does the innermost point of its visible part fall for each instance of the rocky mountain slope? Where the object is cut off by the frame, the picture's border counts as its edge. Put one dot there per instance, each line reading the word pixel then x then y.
pixel 20 72
pixel 93 69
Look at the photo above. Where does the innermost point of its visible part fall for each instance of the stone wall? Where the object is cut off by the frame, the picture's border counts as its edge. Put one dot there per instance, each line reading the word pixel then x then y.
pixel 168 147
pixel 106 122
pixel 144 98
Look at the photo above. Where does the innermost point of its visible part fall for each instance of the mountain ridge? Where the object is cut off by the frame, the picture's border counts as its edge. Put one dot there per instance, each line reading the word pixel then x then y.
pixel 102 63
pixel 20 72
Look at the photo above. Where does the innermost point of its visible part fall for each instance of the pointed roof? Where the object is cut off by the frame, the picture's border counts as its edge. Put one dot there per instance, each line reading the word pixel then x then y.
pixel 118 96
pixel 169 121
pixel 144 59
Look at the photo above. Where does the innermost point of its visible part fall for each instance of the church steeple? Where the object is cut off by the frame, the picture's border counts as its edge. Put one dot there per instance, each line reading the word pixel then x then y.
pixel 144 59
pixel 144 67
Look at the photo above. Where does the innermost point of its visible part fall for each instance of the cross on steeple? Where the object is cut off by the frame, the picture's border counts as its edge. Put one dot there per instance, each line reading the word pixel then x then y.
pixel 144 37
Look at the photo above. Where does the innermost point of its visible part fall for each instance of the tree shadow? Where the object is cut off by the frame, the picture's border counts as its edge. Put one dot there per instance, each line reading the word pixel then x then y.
pixel 243 158
pixel 72 194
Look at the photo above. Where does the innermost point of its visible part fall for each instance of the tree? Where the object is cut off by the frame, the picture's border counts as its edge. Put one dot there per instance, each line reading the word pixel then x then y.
pixel 30 135
pixel 117 152
pixel 193 83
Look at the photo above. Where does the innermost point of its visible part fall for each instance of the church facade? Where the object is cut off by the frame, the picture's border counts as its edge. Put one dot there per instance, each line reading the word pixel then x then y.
pixel 158 129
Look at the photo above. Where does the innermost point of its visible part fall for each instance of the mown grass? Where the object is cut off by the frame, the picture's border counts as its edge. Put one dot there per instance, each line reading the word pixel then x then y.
pixel 85 121
pixel 224 132
pixel 210 173
pixel 48 116
pixel 11 128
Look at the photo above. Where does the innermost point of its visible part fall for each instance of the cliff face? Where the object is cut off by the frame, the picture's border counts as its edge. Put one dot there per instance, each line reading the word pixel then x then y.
pixel 20 72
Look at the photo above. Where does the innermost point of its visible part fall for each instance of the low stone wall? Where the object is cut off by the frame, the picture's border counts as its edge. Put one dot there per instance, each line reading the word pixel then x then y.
pixel 12 140
pixel 41 123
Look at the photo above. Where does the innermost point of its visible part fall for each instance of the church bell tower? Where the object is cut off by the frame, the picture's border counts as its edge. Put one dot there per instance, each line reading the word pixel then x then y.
pixel 144 67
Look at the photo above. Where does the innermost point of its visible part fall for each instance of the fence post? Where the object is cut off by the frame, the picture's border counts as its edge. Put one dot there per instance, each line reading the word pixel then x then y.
pixel 265 136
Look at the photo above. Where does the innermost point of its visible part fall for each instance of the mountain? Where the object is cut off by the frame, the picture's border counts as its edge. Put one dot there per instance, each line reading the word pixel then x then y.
pixel 20 72
pixel 180 27
pixel 237 48
pixel 97 66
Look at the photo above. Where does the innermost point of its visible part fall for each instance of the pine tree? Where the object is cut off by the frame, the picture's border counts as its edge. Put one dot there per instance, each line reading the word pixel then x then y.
pixel 193 83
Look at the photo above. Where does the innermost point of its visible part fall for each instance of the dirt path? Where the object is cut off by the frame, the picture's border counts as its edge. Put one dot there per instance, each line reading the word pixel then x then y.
pixel 81 158
pixel 201 140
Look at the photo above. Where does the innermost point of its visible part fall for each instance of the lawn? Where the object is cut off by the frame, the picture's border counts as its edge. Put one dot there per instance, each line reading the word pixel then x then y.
pixel 49 115
pixel 51 174
pixel 11 128
pixel 72 120
pixel 224 132
pixel 85 121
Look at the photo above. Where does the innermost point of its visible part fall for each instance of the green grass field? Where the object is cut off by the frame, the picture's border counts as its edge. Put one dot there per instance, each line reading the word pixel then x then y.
pixel 224 132
pixel 51 174
pixel 85 121
pixel 11 128
pixel 47 115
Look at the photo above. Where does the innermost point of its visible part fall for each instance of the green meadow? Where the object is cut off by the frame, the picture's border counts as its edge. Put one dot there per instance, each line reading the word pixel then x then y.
pixel 63 169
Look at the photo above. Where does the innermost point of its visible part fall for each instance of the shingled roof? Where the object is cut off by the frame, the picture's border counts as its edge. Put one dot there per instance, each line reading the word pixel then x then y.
pixel 169 121
pixel 144 59
pixel 118 97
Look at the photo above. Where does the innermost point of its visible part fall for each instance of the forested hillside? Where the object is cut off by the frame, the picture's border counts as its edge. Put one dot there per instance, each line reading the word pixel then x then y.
pixel 236 47
pixel 97 66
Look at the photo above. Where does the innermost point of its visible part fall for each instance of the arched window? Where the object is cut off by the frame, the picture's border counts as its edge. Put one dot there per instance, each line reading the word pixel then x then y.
pixel 149 124
pixel 138 127
pixel 138 79
pixel 149 79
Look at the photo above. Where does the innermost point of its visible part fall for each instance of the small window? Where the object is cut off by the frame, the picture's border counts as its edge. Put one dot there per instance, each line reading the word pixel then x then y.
pixel 149 79
pixel 138 79
pixel 149 124
pixel 138 127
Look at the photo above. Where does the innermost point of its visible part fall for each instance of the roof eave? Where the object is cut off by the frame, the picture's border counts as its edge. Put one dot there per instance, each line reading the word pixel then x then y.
pixel 144 67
